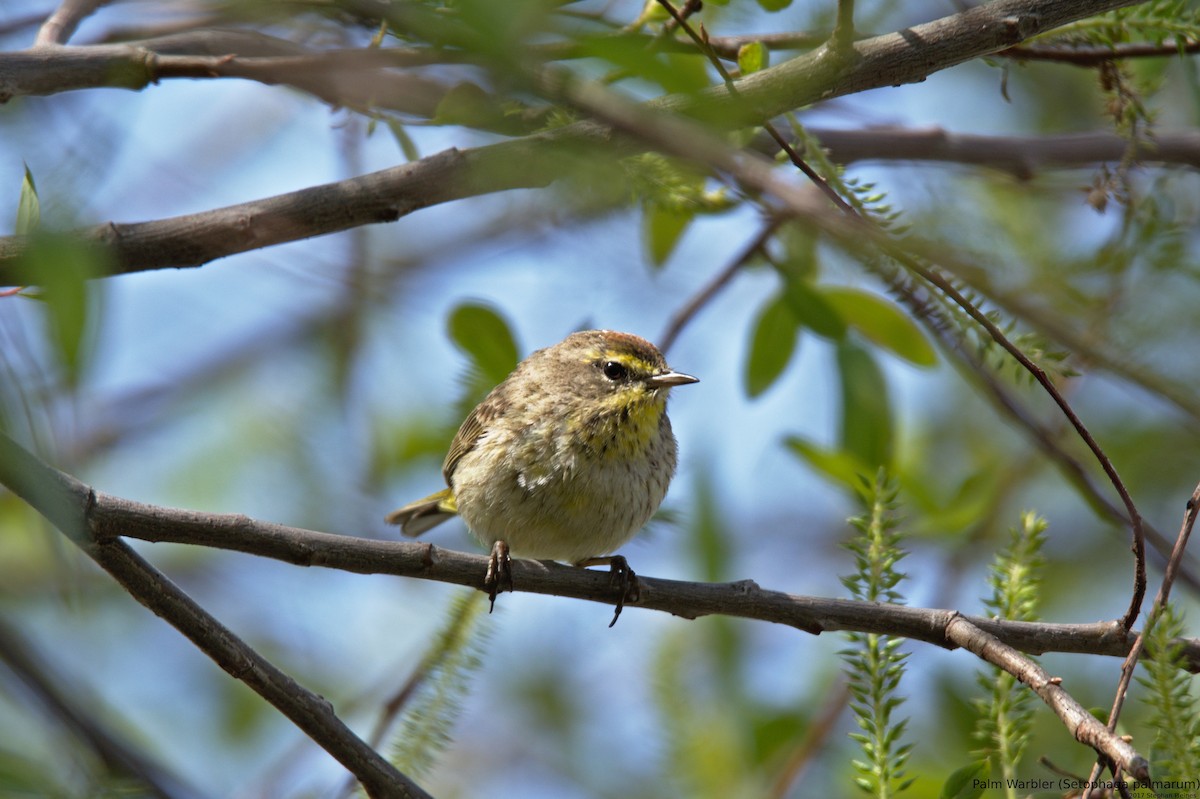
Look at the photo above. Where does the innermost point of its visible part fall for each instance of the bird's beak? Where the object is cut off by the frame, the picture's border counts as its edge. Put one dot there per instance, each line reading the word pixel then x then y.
pixel 668 379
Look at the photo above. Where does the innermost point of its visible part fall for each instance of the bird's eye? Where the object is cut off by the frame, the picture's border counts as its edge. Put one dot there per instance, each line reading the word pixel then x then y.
pixel 615 371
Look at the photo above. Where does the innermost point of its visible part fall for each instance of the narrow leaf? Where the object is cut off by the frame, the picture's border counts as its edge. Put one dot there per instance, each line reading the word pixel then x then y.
pixel 881 322
pixel 866 430
pixel 407 145
pixel 966 783
pixel 661 229
pixel 839 466
pixel 813 310
pixel 772 344
pixel 64 267
pixel 29 208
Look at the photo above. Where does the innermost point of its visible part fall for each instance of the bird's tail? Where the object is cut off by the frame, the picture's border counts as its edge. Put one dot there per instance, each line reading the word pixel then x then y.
pixel 417 517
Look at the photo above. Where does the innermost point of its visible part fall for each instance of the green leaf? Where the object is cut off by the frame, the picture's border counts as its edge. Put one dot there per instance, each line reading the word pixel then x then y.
pixel 774 5
pixel 752 57
pixel 662 228
pixel 967 782
pixel 64 266
pixel 798 260
pixel 447 669
pixel 29 208
pixel 813 310
pixel 407 145
pixel 468 105
pixel 485 337
pixel 837 465
pixel 881 322
pixel 675 73
pixel 866 413
pixel 776 332
pixel 689 73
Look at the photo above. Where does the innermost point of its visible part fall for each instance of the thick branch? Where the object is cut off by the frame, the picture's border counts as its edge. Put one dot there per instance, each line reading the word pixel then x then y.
pixel 361 79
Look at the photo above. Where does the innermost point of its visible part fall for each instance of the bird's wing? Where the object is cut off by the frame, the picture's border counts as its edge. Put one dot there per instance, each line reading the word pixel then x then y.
pixel 469 433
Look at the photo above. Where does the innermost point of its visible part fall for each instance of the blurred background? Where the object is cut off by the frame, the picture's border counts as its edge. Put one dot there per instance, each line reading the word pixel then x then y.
pixel 315 384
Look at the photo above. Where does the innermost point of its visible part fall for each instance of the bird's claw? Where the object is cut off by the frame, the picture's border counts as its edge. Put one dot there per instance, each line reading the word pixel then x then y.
pixel 499 573
pixel 625 583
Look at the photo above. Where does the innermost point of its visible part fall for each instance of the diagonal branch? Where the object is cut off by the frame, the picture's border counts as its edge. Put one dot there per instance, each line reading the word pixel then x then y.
pixel 935 278
pixel 70 706
pixel 59 26
pixel 69 506
pixel 1086 728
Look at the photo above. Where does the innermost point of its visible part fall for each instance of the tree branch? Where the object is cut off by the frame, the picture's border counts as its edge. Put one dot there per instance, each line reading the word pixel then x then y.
pixel 384 196
pixel 1086 728
pixel 98 523
pixel 903 57
pixel 70 707
pixel 1022 156
pixel 1091 56
pixel 59 26
pixel 102 520
pixel 70 505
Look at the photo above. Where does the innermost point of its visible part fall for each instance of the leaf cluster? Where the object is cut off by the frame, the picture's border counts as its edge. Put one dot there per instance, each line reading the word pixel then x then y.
pixel 1005 716
pixel 874 664
pixel 1175 712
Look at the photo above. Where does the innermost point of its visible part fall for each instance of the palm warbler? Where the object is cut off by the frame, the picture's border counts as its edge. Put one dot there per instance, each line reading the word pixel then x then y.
pixel 565 460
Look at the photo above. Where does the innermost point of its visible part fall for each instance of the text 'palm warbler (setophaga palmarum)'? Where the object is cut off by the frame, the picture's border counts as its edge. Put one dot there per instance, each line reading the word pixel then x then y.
pixel 565 460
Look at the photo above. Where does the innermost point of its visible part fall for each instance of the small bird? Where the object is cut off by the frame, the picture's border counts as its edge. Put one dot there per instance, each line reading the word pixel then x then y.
pixel 565 460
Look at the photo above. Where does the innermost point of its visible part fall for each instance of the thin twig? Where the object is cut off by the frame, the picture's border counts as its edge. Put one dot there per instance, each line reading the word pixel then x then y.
pixel 689 7
pixel 1045 438
pixel 59 26
pixel 685 314
pixel 843 29
pixel 1135 518
pixel 814 739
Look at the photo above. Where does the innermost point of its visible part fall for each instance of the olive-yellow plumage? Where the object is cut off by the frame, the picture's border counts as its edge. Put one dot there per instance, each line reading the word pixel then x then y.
pixel 567 458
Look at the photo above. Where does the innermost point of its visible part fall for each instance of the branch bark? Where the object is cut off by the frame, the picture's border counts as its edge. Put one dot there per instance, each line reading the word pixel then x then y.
pixel 61 24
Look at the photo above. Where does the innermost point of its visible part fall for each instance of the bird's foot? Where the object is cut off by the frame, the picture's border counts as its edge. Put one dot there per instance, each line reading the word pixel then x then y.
pixel 499 573
pixel 622 579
